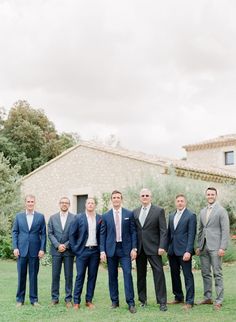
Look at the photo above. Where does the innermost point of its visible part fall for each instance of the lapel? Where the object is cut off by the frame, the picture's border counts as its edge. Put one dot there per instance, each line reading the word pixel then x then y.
pixel 58 219
pixel 25 221
pixel 138 211
pixel 172 228
pixel 97 222
pixel 35 218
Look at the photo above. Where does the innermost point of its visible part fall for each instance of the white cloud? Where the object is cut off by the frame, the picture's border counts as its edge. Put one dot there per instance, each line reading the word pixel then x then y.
pixel 158 74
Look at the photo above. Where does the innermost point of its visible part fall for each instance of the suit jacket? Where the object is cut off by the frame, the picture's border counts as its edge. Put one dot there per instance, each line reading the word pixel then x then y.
pixel 153 234
pixel 79 232
pixel 108 233
pixel 181 239
pixel 29 242
pixel 58 236
pixel 216 230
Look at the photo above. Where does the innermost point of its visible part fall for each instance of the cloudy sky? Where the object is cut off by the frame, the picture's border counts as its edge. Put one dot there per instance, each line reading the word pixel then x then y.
pixel 157 74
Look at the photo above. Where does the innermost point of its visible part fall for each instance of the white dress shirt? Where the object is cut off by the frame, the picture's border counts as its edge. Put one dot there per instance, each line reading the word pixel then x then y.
pixel 92 236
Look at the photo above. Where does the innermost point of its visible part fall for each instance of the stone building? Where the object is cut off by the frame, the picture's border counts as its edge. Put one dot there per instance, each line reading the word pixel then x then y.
pixel 218 153
pixel 91 169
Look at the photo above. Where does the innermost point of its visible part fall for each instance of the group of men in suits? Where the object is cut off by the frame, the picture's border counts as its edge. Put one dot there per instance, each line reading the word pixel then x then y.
pixel 118 237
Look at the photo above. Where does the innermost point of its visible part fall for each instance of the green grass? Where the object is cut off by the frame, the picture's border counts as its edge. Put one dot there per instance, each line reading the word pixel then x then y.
pixel 8 311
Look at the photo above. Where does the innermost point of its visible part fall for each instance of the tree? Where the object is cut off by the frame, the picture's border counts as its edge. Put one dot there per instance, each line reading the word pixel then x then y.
pixel 9 203
pixel 28 139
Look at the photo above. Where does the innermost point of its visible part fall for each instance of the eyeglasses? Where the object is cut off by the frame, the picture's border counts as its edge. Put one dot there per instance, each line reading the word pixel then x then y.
pixel 64 203
pixel 145 196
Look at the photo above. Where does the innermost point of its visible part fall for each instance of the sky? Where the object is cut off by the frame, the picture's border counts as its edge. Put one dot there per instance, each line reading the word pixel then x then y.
pixel 156 74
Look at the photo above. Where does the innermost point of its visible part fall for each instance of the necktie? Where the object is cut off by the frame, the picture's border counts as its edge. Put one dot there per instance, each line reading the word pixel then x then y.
pixel 177 218
pixel 143 216
pixel 117 221
pixel 209 209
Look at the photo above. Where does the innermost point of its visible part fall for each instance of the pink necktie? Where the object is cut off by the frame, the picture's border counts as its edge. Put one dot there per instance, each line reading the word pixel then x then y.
pixel 117 217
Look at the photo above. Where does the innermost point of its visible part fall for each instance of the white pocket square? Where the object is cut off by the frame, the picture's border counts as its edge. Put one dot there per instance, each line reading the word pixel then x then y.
pixel 126 218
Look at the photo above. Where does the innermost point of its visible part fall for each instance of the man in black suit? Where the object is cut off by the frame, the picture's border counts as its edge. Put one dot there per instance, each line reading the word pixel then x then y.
pixel 58 233
pixel 152 233
pixel 181 236
pixel 84 240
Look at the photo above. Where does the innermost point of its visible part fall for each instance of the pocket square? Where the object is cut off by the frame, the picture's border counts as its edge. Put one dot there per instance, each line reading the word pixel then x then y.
pixel 126 218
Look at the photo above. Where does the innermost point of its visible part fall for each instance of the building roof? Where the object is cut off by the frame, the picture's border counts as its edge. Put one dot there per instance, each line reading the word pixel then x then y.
pixel 223 140
pixel 182 167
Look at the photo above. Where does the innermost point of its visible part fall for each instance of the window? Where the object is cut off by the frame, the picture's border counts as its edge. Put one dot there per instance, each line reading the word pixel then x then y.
pixel 81 203
pixel 229 157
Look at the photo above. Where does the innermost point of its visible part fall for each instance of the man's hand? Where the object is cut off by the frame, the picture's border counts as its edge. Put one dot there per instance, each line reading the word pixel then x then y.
pixel 197 251
pixel 161 251
pixel 61 248
pixel 133 254
pixel 41 254
pixel 186 257
pixel 103 257
pixel 16 252
pixel 221 252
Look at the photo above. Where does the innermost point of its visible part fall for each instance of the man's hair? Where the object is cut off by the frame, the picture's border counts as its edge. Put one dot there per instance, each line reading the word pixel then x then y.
pixel 30 196
pixel 64 198
pixel 180 195
pixel 115 192
pixel 212 188
pixel 91 198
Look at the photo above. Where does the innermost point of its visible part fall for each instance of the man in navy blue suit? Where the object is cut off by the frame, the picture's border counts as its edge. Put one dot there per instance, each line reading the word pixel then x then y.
pixel 118 244
pixel 29 245
pixel 84 240
pixel 181 236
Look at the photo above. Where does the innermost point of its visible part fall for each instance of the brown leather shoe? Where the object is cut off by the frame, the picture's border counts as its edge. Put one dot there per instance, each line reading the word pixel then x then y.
pixel 68 305
pixel 206 301
pixel 175 302
pixel 187 307
pixel 90 305
pixel 76 306
pixel 217 306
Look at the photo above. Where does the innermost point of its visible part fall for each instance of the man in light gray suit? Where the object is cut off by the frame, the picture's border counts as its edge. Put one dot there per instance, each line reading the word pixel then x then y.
pixel 213 236
pixel 58 233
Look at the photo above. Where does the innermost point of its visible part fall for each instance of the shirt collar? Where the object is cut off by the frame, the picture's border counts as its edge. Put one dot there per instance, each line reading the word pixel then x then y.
pixel 29 213
pixel 63 214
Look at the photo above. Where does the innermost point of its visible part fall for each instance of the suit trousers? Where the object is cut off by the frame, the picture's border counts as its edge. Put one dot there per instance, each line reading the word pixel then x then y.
pixel 22 264
pixel 210 258
pixel 89 259
pixel 175 263
pixel 158 276
pixel 68 262
pixel 125 262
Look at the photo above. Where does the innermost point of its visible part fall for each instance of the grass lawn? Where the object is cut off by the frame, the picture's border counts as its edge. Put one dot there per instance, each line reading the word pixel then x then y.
pixel 204 313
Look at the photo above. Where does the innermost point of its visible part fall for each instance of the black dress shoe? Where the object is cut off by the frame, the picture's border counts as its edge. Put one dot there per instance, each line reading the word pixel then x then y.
pixel 132 309
pixel 143 304
pixel 54 302
pixel 163 307
pixel 114 306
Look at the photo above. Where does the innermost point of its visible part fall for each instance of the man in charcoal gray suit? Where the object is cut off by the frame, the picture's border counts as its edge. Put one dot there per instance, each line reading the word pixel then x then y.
pixel 58 233
pixel 213 236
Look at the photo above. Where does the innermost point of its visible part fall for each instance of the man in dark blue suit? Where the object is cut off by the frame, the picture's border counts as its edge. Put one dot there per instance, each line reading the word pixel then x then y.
pixel 58 233
pixel 29 245
pixel 181 236
pixel 118 243
pixel 84 240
